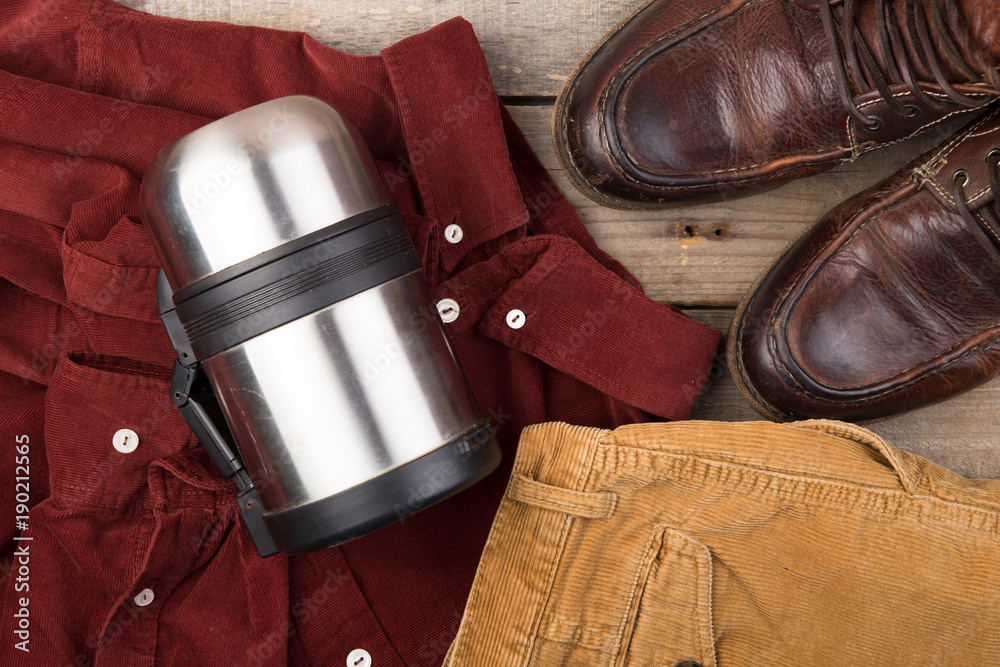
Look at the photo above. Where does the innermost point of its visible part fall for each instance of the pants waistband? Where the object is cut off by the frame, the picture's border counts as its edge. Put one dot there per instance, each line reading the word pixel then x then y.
pixel 755 543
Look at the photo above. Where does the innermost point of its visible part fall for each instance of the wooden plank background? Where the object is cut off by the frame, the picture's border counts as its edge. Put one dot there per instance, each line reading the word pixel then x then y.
pixel 700 255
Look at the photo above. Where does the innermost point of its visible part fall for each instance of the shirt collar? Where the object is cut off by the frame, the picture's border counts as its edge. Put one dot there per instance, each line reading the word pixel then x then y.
pixel 456 149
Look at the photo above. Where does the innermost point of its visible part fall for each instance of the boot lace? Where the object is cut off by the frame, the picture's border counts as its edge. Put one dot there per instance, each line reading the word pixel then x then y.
pixel 861 71
pixel 989 214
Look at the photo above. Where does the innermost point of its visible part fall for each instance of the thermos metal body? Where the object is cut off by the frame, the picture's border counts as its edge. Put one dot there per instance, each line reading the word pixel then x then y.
pixel 355 372
pixel 302 299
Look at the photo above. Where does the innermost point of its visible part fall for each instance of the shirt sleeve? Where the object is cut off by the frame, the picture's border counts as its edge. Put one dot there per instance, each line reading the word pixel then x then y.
pixel 551 299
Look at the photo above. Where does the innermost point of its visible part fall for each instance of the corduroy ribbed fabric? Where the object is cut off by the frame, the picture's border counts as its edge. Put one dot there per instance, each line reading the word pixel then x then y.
pixel 814 543
pixel 90 91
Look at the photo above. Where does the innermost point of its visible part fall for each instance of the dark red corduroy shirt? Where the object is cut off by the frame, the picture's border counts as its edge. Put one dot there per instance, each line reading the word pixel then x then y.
pixel 140 557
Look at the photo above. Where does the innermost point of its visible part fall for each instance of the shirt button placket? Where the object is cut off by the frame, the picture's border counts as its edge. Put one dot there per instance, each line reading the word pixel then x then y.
pixel 126 639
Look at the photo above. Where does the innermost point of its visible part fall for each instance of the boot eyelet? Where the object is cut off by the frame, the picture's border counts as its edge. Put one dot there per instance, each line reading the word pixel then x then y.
pixel 962 175
pixel 874 124
pixel 912 110
pixel 993 157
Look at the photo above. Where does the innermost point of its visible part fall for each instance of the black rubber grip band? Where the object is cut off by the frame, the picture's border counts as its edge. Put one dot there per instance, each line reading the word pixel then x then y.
pixel 287 248
pixel 259 297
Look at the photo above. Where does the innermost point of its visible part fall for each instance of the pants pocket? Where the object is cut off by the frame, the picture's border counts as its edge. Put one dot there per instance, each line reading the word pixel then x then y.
pixel 628 599
pixel 670 619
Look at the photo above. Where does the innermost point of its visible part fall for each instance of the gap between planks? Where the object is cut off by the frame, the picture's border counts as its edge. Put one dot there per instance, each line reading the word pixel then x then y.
pixel 531 48
pixel 706 253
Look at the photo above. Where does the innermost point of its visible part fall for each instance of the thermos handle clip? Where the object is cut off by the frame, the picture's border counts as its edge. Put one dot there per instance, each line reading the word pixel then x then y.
pixel 191 392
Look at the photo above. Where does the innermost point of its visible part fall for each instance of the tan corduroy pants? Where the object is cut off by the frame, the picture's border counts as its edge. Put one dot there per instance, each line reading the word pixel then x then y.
pixel 757 544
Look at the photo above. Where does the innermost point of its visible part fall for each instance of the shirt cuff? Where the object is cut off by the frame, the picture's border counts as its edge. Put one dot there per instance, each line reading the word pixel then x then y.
pixel 577 316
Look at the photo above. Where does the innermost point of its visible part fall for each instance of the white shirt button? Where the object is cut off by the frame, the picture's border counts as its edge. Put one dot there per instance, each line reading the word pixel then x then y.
pixel 144 597
pixel 448 309
pixel 359 658
pixel 453 234
pixel 125 440
pixel 516 319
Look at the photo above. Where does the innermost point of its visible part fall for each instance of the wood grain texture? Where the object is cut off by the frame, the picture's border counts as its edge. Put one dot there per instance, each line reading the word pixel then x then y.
pixel 708 253
pixel 531 46
pixel 693 254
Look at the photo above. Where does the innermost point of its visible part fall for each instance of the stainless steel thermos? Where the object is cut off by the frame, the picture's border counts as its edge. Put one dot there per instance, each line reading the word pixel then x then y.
pixel 312 364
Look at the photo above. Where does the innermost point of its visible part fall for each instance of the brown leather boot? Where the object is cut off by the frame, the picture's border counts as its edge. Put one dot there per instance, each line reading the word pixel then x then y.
pixel 891 302
pixel 697 96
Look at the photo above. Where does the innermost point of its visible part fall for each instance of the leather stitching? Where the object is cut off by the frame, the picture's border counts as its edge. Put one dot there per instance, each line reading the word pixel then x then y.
pixel 854 149
pixel 642 52
pixel 950 148
pixel 779 363
pixel 868 146
pixel 576 75
pixel 806 392
pixel 620 72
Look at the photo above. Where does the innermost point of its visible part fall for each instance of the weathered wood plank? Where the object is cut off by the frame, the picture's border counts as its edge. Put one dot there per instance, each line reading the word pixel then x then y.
pixel 695 253
pixel 960 434
pixel 531 46
pixel 708 253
